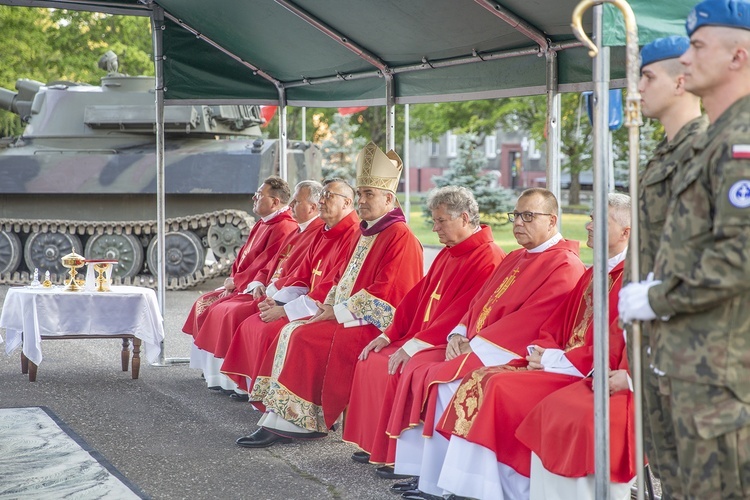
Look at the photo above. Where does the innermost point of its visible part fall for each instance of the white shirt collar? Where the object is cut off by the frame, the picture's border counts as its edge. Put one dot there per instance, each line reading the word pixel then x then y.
pixel 371 223
pixel 274 214
pixel 611 263
pixel 547 244
pixel 304 225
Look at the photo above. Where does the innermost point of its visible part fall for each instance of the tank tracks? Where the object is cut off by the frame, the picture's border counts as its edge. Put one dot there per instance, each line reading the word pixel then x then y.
pixel 143 230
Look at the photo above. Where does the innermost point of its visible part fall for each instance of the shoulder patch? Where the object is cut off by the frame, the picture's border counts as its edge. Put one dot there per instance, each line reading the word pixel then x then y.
pixel 741 151
pixel 739 194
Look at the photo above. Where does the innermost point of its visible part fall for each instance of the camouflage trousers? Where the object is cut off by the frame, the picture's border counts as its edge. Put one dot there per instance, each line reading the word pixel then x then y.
pixel 659 439
pixel 712 430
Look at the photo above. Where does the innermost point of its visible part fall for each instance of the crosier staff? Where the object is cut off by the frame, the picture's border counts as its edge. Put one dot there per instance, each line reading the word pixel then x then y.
pixel 633 122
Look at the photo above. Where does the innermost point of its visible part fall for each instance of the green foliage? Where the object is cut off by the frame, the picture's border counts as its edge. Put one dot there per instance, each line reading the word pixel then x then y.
pixel 466 170
pixel 58 45
pixel 340 149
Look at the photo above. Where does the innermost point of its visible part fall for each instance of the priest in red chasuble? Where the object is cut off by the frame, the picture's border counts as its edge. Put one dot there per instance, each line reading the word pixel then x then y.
pixel 313 362
pixel 264 240
pixel 502 320
pixel 293 295
pixel 426 315
pixel 490 404
pixel 223 317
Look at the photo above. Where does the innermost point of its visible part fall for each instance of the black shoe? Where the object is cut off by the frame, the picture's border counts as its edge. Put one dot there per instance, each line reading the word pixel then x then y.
pixel 419 495
pixel 411 484
pixel 386 472
pixel 228 392
pixel 361 457
pixel 239 397
pixel 262 438
pixel 214 388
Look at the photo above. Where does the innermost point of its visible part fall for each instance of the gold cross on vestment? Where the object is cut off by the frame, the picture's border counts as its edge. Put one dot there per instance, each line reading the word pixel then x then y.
pixel 434 296
pixel 282 258
pixel 316 272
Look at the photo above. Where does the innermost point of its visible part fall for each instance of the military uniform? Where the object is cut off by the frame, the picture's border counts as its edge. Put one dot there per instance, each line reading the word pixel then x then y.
pixel 703 348
pixel 654 193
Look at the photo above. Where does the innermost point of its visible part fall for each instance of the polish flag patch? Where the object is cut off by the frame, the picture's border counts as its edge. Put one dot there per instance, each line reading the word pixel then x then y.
pixel 741 151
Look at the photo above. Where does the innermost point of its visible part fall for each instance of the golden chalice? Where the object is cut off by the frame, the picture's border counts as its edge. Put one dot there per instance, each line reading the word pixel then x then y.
pixel 73 261
pixel 102 267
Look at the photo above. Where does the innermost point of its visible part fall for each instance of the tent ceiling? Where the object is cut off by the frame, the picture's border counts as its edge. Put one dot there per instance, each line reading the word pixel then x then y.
pixel 335 52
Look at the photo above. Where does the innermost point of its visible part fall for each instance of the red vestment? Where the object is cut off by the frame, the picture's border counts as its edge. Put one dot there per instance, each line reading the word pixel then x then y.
pixel 262 244
pixel 428 313
pixel 522 293
pixel 253 337
pixel 560 430
pixel 313 364
pixel 223 318
pixel 491 402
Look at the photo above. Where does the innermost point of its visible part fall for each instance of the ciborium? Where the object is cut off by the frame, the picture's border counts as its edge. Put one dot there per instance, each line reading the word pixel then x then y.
pixel 74 262
pixel 102 268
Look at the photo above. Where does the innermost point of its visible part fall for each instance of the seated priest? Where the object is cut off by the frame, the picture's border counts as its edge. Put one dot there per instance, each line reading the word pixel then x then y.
pixel 482 418
pixel 221 320
pixel 264 240
pixel 502 320
pixel 306 380
pixel 294 295
pixel 426 315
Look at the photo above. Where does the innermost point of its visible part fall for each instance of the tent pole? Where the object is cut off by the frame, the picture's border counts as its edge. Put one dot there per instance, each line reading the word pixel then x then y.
pixel 407 164
pixel 283 172
pixel 390 114
pixel 553 129
pixel 304 124
pixel 157 24
pixel 601 313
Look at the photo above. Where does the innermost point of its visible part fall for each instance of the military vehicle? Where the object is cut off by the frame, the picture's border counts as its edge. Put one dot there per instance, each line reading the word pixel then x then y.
pixel 82 177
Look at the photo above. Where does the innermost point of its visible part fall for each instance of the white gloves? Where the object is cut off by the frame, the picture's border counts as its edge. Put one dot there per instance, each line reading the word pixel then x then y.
pixel 633 304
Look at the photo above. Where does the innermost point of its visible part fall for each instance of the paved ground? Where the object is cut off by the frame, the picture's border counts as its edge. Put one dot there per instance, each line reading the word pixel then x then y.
pixel 170 435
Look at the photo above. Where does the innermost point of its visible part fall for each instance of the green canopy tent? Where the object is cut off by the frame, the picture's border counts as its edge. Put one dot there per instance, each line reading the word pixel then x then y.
pixel 346 52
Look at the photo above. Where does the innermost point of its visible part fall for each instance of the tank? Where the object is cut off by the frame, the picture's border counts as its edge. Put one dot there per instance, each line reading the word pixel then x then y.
pixel 82 177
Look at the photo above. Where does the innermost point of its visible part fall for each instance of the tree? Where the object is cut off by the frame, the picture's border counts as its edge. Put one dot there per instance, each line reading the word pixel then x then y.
pixel 340 148
pixel 466 170
pixel 45 45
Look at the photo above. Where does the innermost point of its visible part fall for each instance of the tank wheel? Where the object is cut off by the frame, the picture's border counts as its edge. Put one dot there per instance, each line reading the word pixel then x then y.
pixel 10 252
pixel 184 254
pixel 44 251
pixel 126 249
pixel 225 240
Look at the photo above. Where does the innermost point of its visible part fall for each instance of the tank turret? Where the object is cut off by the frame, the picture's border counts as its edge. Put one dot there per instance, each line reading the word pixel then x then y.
pixel 82 177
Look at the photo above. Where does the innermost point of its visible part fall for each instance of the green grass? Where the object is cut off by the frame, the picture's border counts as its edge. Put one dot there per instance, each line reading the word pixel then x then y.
pixel 573 228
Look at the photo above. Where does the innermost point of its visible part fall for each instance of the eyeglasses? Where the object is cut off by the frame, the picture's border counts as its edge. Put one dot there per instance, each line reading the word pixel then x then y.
pixel 327 195
pixel 525 216
pixel 258 195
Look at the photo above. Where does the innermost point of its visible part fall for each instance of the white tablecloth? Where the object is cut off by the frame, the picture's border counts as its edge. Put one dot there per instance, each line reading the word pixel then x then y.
pixel 30 313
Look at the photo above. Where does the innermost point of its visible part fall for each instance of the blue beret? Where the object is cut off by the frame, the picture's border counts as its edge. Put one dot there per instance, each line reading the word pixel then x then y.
pixel 728 13
pixel 660 49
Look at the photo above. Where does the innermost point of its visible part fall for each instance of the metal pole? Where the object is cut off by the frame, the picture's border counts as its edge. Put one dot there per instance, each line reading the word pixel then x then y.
pixel 157 24
pixel 553 128
pixel 283 172
pixel 601 216
pixel 304 124
pixel 390 114
pixel 407 163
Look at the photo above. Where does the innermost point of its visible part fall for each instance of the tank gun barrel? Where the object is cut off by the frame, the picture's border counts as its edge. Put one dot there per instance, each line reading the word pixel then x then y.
pixel 20 102
pixel 8 100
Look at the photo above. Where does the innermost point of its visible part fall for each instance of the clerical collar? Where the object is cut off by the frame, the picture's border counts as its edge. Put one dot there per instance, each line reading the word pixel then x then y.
pixel 547 244
pixel 274 214
pixel 369 223
pixel 370 228
pixel 611 263
pixel 304 225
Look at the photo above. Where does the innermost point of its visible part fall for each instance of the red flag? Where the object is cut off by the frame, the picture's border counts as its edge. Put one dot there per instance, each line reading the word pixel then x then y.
pixel 352 110
pixel 267 113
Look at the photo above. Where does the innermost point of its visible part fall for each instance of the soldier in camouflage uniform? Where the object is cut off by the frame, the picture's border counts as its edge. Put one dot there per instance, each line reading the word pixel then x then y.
pixel 700 300
pixel 664 98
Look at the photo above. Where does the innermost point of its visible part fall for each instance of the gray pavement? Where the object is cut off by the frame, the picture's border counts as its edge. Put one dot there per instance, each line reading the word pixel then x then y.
pixel 171 436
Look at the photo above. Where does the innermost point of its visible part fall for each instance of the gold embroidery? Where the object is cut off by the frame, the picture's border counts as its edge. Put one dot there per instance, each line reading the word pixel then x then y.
pixel 282 259
pixel 434 296
pixel 487 309
pixel 578 336
pixel 316 272
pixel 346 283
